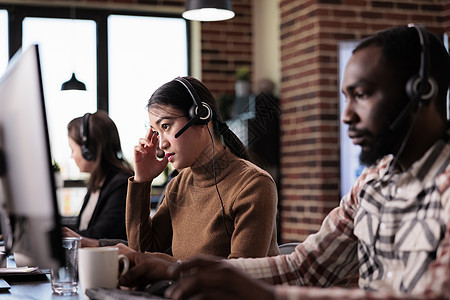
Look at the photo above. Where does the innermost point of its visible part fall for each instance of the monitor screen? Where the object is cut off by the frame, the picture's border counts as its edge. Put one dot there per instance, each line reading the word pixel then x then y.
pixel 30 218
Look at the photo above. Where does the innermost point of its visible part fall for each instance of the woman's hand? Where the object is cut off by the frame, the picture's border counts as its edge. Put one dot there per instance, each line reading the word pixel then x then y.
pixel 85 242
pixel 147 166
pixel 144 268
pixel 209 278
pixel 124 249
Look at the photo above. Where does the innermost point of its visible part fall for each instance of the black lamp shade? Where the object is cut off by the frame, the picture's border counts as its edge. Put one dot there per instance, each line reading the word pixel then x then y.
pixel 208 10
pixel 73 84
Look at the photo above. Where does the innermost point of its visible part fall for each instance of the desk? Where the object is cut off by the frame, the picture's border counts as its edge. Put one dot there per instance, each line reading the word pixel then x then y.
pixel 38 290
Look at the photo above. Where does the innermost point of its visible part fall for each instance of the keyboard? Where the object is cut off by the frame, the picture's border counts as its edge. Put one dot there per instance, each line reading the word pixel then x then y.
pixel 118 294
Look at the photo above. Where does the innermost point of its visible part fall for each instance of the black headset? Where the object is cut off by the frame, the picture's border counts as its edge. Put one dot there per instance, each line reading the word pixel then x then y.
pixel 421 86
pixel 84 133
pixel 200 112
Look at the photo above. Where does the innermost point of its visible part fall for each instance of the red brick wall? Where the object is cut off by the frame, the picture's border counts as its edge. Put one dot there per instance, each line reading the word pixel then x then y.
pixel 226 46
pixel 310 32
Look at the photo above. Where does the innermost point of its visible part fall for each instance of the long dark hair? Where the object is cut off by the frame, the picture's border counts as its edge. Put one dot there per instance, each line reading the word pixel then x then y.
pixel 104 144
pixel 175 94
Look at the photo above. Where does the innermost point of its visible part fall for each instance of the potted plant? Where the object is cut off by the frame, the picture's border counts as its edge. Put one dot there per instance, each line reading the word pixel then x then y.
pixel 242 85
pixel 225 102
pixel 57 173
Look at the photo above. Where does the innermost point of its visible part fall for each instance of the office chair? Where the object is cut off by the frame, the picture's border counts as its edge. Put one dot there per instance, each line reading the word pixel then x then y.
pixel 287 248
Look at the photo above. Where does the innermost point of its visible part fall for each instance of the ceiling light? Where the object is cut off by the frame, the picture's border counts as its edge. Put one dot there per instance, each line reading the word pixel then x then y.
pixel 73 84
pixel 208 10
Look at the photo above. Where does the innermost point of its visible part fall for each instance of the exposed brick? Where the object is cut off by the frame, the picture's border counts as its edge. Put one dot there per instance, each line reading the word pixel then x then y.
pixel 371 15
pixel 409 6
pixel 355 3
pixel 356 25
pixel 432 7
pixel 336 2
pixel 320 12
pixel 308 149
pixel 382 4
pixel 344 13
pixel 396 16
pixel 423 18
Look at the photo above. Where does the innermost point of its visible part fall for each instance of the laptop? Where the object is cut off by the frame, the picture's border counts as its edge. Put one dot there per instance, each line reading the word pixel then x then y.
pixel 118 294
pixel 154 291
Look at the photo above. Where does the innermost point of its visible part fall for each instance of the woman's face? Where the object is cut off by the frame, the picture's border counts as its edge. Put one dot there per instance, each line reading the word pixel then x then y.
pixel 186 150
pixel 82 164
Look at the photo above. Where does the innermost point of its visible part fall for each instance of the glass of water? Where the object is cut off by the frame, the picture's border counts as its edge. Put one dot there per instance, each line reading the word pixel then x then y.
pixel 65 278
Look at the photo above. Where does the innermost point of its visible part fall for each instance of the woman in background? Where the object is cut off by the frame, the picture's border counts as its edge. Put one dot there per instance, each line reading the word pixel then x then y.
pixel 95 144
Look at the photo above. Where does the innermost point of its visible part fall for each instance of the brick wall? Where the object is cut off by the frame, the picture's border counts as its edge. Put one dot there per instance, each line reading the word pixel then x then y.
pixel 310 32
pixel 226 46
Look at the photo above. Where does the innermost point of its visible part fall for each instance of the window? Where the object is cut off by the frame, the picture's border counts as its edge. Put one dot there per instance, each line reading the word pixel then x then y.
pixel 122 57
pixel 65 46
pixel 3 40
pixel 138 64
pixel 350 165
pixel 120 70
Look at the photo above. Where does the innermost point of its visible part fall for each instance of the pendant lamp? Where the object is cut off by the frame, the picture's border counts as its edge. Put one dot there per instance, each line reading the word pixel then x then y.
pixel 208 10
pixel 73 84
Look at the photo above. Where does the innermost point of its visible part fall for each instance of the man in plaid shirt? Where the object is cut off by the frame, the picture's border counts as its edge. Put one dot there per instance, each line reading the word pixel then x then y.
pixel 392 230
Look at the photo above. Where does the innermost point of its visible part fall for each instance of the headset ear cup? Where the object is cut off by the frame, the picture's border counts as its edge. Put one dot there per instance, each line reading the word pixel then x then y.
pixel 84 132
pixel 412 88
pixel 192 112
pixel 432 90
pixel 205 114
pixel 86 153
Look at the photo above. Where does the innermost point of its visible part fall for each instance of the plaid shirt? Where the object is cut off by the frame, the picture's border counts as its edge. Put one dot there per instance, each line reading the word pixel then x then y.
pixel 392 229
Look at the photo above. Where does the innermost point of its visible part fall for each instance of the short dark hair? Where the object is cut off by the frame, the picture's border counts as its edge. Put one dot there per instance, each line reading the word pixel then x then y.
pixel 401 50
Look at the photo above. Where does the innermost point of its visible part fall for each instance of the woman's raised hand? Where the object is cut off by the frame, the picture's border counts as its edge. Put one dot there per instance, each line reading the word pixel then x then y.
pixel 147 166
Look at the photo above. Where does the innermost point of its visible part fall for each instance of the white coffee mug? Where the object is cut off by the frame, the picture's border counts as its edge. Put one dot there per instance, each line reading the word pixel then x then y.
pixel 98 267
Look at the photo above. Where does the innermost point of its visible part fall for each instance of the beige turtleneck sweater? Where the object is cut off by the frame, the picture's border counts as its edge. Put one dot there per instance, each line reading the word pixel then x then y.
pixel 190 218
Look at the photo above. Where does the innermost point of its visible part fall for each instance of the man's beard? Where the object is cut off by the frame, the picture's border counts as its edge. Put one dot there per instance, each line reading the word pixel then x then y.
pixel 381 146
pixel 384 144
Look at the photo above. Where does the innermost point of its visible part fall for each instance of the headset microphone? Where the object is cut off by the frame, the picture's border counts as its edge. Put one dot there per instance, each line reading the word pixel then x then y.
pixel 192 121
pixel 404 113
pixel 421 86
pixel 200 113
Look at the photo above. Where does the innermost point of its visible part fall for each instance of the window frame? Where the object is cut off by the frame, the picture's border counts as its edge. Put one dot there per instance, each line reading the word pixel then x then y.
pixel 17 13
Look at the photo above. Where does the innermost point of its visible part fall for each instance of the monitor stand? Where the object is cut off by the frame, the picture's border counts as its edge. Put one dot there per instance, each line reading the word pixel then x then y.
pixel 5 221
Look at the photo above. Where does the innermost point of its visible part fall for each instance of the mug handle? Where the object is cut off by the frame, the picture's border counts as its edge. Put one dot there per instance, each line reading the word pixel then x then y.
pixel 126 264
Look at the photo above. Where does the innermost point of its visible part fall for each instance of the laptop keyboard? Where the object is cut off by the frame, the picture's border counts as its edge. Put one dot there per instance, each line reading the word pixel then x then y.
pixel 118 294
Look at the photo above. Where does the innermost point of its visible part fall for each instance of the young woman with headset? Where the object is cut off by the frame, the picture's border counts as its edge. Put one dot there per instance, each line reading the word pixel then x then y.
pixel 95 144
pixel 220 203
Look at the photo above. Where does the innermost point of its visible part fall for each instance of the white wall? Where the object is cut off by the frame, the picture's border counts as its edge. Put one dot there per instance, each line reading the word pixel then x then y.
pixel 266 42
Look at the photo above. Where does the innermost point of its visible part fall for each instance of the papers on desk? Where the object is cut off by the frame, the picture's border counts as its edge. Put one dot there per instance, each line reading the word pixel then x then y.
pixel 12 273
pixel 23 274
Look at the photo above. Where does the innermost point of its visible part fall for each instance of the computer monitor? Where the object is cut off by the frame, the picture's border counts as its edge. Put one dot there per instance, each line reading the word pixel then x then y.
pixel 30 218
